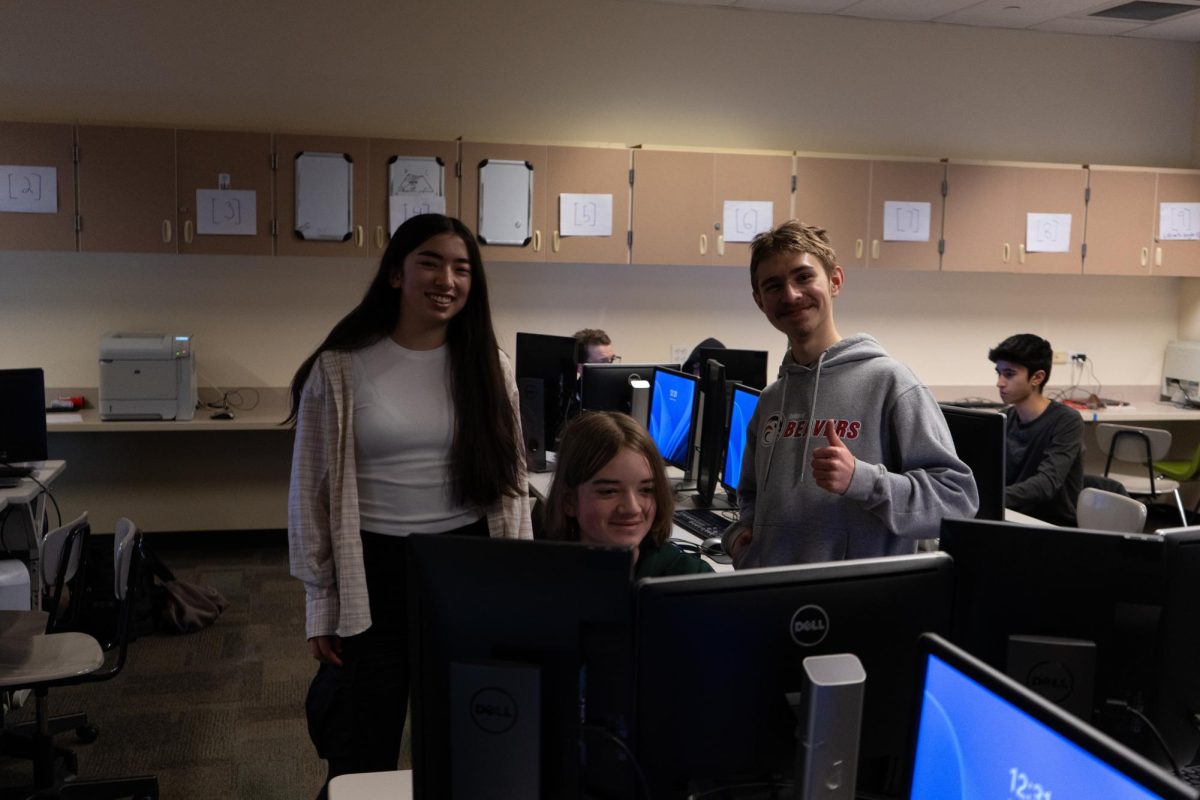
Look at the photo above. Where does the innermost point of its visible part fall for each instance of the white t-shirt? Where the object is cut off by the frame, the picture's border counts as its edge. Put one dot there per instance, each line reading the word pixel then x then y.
pixel 403 431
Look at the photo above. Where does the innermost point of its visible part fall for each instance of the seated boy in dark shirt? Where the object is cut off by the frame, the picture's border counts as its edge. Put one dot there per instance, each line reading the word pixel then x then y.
pixel 1044 453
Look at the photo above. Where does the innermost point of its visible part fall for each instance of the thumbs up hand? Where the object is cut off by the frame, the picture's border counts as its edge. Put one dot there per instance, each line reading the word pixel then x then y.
pixel 833 465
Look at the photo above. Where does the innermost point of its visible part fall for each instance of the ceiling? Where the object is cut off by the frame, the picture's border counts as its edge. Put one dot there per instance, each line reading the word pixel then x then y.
pixel 1177 20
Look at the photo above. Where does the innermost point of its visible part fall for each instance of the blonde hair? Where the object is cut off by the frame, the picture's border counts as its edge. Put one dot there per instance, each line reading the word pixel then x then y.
pixel 792 236
pixel 590 441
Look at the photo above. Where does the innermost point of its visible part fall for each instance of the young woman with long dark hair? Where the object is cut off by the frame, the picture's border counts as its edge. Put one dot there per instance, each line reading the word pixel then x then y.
pixel 406 424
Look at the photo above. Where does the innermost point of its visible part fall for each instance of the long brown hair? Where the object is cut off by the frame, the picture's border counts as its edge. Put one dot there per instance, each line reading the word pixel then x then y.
pixel 589 442
pixel 486 456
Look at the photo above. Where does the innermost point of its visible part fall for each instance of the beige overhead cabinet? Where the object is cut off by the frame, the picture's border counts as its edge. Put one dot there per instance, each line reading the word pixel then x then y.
pixel 224 182
pixel 322 187
pixel 37 186
pixel 1014 218
pixel 406 178
pixel 704 208
pixel 127 190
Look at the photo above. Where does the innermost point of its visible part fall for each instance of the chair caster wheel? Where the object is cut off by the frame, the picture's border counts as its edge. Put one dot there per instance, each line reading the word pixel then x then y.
pixel 87 733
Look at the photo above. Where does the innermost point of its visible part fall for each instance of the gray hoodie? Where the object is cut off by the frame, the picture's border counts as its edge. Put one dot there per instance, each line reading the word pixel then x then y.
pixel 906 478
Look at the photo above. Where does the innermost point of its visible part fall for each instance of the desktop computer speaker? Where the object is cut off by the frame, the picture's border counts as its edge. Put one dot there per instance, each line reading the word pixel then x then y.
pixel 829 715
pixel 532 396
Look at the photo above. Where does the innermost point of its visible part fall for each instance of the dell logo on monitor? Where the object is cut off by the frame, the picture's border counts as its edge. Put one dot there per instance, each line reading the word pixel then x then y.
pixel 493 710
pixel 1052 680
pixel 810 624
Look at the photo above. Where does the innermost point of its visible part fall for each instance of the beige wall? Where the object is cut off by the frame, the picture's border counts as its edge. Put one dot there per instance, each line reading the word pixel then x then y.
pixel 567 71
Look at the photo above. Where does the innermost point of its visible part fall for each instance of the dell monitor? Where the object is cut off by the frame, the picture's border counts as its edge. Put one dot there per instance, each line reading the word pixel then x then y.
pixel 546 378
pixel 1074 614
pixel 22 416
pixel 742 402
pixel 606 387
pixel 512 643
pixel 748 367
pixel 712 430
pixel 1175 700
pixel 674 398
pixel 716 656
pixel 979 734
pixel 979 440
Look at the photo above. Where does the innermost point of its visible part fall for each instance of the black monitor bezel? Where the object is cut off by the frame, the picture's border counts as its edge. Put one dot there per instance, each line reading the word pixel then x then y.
pixel 1087 737
pixel 558 381
pixel 737 387
pixel 738 362
pixel 689 450
pixel 23 437
pixel 596 375
pixel 992 495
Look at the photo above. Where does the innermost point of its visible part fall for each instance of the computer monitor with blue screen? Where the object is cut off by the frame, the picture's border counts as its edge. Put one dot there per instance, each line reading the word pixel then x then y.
pixel 980 735
pixel 742 403
pixel 673 402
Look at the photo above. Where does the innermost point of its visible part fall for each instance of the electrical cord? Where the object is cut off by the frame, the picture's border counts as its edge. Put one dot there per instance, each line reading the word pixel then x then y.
pixel 1128 709
pixel 605 733
pixel 45 490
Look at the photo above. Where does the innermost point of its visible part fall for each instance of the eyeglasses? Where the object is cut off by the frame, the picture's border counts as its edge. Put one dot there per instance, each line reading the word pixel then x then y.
pixel 610 360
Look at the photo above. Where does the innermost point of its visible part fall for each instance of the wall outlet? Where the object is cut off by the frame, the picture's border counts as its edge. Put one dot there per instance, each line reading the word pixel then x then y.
pixel 1060 357
pixel 1077 358
pixel 679 353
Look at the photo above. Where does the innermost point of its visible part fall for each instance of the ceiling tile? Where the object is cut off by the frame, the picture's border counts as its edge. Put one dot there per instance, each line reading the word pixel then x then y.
pixel 924 10
pixel 1019 13
pixel 1184 28
pixel 1088 26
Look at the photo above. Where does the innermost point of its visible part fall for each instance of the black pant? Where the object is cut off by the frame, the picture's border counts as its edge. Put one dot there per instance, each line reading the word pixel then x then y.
pixel 356 711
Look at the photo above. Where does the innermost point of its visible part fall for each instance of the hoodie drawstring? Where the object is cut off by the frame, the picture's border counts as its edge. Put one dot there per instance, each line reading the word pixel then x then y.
pixel 812 417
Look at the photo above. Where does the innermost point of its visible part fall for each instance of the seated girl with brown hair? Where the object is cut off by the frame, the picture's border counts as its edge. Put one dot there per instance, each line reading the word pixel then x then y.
pixel 611 489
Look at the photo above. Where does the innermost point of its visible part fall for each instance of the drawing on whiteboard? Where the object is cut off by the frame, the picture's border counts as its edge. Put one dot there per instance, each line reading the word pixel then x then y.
pixel 585 214
pixel 1046 230
pixel 226 212
pixel 26 187
pixel 1181 221
pixel 747 221
pixel 908 219
pixel 414 183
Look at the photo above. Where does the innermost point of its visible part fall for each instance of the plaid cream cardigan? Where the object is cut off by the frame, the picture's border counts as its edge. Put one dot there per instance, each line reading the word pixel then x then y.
pixel 323 523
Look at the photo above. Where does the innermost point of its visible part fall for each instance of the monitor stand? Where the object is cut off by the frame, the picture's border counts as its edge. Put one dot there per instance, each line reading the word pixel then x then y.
pixel 829 715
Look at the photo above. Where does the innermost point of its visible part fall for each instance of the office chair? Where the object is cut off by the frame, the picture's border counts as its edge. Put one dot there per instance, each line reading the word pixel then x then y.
pixel 46 660
pixel 1142 446
pixel 1182 470
pixel 1105 511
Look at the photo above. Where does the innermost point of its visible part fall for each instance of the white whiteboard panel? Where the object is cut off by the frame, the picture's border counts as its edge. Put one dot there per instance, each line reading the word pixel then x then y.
pixel 324 196
pixel 505 202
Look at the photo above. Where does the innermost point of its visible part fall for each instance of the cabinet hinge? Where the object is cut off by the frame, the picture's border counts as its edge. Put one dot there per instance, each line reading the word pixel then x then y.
pixel 631 177
pixel 458 169
pixel 1083 251
pixel 274 162
pixel 793 184
pixel 1087 195
pixel 945 187
pixel 78 224
pixel 75 152
pixel 941 247
pixel 629 239
pixel 275 228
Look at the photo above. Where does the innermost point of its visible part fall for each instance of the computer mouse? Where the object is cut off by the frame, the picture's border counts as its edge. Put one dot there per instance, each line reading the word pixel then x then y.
pixel 222 414
pixel 714 549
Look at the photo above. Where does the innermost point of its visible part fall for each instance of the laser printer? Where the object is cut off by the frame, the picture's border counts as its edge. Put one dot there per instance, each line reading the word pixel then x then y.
pixel 147 376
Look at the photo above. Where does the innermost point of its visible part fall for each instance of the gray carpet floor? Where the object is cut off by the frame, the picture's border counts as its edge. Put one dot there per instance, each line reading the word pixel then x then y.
pixel 214 714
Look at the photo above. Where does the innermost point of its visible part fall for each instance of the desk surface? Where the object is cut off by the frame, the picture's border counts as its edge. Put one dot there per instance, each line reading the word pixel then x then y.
pixel 270 408
pixel 27 490
pixel 372 785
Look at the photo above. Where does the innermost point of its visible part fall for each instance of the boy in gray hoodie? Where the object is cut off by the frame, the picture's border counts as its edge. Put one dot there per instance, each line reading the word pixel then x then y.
pixel 847 455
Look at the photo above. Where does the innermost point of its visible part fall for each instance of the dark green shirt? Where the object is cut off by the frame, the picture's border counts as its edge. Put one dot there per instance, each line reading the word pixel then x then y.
pixel 657 561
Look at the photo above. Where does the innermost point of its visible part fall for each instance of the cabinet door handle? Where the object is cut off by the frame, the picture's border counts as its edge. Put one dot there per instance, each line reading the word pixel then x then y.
pixel 703 244
pixel 1145 256
pixel 720 245
pixel 380 239
pixel 1005 254
pixel 1021 252
pixel 1158 257
pixel 187 231
pixel 875 249
pixel 537 241
pixel 359 236
pixel 166 231
pixel 858 248
pixel 555 241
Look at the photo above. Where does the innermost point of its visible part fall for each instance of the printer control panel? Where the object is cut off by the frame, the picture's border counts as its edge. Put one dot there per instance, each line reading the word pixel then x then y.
pixel 182 346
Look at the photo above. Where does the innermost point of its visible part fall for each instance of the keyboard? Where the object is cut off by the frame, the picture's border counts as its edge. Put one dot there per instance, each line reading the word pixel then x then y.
pixel 1190 775
pixel 702 522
